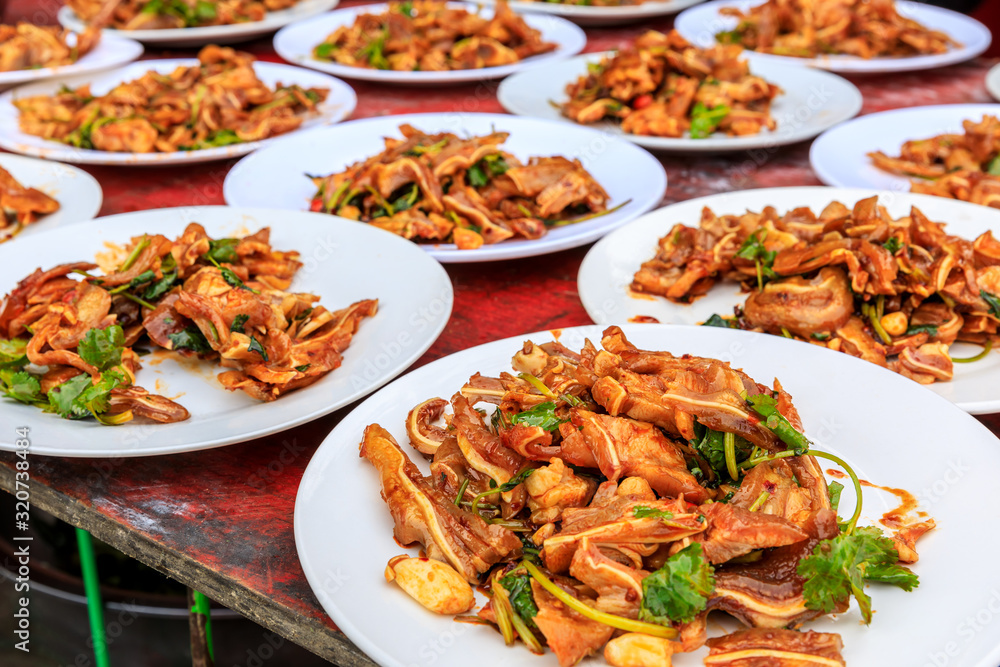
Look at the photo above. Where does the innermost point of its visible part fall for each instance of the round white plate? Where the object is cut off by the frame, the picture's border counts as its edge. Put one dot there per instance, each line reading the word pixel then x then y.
pixel 277 176
pixel 339 266
pixel 601 16
pixel 608 268
pixel 215 34
pixel 840 155
pixel 993 81
pixel 339 105
pixel 296 43
pixel 812 101
pixel 887 427
pixel 700 25
pixel 110 52
pixel 78 193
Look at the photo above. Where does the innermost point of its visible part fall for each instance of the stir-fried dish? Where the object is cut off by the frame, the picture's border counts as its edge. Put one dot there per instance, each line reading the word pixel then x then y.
pixel 895 292
pixel 598 3
pixel 616 496
pixel 664 86
pixel 433 37
pixel 467 191
pixel 959 166
pixel 71 340
pixel 216 103
pixel 167 14
pixel 811 28
pixel 20 206
pixel 27 46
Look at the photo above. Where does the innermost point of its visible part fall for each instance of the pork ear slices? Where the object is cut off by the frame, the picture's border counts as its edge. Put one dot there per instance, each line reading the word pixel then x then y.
pixel 896 292
pixel 616 490
pixel 70 338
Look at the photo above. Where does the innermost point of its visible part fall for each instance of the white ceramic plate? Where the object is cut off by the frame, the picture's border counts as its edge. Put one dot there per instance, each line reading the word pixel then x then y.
pixel 277 176
pixel 601 16
pixel 78 193
pixel 216 34
pixel 812 102
pixel 840 155
pixel 296 43
pixel 993 81
pixel 608 268
pixel 886 427
pixel 341 266
pixel 110 52
pixel 339 105
pixel 700 25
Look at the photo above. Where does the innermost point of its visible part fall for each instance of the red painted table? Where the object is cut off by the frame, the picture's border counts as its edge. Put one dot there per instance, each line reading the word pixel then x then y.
pixel 220 521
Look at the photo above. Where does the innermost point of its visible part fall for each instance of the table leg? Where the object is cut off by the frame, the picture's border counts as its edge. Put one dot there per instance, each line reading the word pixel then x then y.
pixel 202 651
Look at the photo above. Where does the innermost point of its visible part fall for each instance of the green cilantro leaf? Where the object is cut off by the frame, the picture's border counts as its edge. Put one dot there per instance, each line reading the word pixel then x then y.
pixel 63 398
pixel 303 368
pixel 542 415
pixel 94 399
pixel 191 338
pixel 679 590
pixel 102 348
pixel 712 447
pixel 13 352
pixel 21 386
pixel 518 587
pixel 754 250
pixel 893 245
pixel 838 568
pixel 928 329
pixel 992 301
pixel 222 250
pixel 645 512
pixel 704 120
pixel 160 287
pixel 324 50
pixel 834 489
pixel 993 168
pixel 255 346
pixel 239 324
pixel 476 177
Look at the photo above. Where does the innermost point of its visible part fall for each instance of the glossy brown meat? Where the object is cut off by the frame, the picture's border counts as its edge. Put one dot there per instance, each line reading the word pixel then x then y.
pixel 423 514
pixel 733 531
pixel 758 647
pixel 570 635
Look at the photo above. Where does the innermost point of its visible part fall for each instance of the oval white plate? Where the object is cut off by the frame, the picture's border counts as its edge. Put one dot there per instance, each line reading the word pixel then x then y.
pixel 339 105
pixel 840 155
pixel 339 260
pixel 296 42
pixel 812 102
pixel 700 25
pixel 276 176
pixel 993 81
pixel 887 427
pixel 110 52
pixel 608 268
pixel 601 16
pixel 78 193
pixel 215 34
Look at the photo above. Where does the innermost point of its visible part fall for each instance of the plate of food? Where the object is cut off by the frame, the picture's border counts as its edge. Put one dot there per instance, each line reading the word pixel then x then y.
pixel 36 195
pixel 187 23
pixel 945 150
pixel 840 35
pixel 993 82
pixel 726 104
pixel 874 275
pixel 601 13
pixel 577 491
pixel 466 187
pixel 427 42
pixel 186 328
pixel 163 112
pixel 31 52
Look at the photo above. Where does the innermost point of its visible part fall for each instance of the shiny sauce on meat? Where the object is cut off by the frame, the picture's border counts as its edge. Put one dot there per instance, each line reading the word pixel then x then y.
pixel 643 319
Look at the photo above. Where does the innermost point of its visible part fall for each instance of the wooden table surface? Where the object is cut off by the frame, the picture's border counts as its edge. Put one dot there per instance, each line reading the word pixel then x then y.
pixel 220 521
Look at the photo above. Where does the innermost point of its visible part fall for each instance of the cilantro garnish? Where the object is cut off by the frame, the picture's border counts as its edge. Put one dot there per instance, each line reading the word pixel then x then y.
pixel 679 590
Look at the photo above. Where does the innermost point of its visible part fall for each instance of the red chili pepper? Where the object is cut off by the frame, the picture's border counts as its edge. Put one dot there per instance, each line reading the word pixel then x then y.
pixel 316 205
pixel 642 101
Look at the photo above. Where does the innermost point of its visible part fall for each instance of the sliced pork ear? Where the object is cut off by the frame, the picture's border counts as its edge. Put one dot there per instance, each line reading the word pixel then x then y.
pixel 424 435
pixel 671 392
pixel 768 593
pixel 758 647
pixel 571 637
pixel 615 525
pixel 734 531
pixel 423 514
pixel 619 587
pixel 795 486
pixel 628 448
